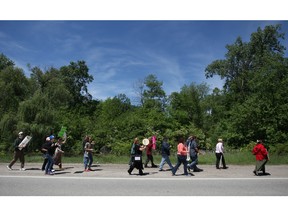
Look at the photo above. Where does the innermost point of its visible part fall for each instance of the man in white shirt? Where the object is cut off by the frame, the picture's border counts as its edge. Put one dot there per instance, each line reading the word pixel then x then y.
pixel 219 154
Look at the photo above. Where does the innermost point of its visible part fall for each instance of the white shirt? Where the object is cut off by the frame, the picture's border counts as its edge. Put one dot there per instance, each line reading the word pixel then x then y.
pixel 219 148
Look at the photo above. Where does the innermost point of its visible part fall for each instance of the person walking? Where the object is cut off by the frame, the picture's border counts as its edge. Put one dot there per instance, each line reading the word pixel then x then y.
pixel 219 152
pixel 149 155
pixel 165 152
pixel 58 153
pixel 51 147
pixel 88 156
pixel 44 149
pixel 137 158
pixel 262 158
pixel 181 157
pixel 18 154
pixel 193 146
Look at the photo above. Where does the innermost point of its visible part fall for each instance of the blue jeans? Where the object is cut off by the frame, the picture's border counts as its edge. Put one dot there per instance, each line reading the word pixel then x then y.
pixel 49 164
pixel 194 162
pixel 181 160
pixel 165 158
pixel 88 160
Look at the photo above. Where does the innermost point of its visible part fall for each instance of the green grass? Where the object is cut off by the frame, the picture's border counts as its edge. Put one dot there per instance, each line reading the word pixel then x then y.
pixel 232 158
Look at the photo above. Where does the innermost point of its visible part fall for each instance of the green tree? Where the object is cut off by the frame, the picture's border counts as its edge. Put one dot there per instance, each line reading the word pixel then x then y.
pixel 76 78
pixel 154 96
pixel 255 76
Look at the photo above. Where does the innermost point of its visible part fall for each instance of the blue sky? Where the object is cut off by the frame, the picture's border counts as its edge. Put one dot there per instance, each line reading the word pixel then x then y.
pixel 120 53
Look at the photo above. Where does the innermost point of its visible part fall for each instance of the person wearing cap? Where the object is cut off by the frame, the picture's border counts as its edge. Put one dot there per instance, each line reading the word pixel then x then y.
pixel 261 155
pixel 18 154
pixel 50 146
pixel 219 154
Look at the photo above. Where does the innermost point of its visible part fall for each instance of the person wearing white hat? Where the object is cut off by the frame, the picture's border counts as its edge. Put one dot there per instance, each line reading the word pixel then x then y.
pixel 18 154
pixel 219 154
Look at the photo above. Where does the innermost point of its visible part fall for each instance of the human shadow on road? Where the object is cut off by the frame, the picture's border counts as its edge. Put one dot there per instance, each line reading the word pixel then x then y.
pixel 144 174
pixel 264 174
pixel 33 169
pixel 92 170
pixel 60 173
pixel 189 174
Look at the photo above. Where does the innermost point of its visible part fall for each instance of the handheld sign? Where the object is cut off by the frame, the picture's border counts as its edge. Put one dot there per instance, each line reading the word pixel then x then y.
pixel 62 132
pixel 24 142
pixel 145 142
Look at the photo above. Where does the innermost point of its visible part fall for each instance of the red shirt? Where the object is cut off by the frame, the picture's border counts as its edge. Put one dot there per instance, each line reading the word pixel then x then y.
pixel 149 149
pixel 260 152
pixel 181 149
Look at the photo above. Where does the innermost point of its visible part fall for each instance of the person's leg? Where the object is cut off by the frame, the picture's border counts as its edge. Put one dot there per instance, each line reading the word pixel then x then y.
pixel 162 163
pixel 152 161
pixel 218 156
pixel 15 158
pixel 22 160
pixel 85 160
pixel 261 165
pixel 174 170
pixel 44 163
pixel 223 161
pixel 194 163
pixel 169 162
pixel 147 160
pixel 185 166
pixel 90 161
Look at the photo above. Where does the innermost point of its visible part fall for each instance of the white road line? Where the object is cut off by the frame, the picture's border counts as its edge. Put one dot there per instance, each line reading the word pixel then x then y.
pixel 145 179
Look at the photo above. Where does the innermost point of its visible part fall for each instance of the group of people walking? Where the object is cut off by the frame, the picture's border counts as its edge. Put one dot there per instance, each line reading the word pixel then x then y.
pixel 187 154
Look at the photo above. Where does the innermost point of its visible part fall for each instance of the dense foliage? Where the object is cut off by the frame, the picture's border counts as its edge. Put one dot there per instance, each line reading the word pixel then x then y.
pixel 252 104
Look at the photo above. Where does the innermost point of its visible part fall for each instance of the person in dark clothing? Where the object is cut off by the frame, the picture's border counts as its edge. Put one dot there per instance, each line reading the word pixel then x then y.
pixel 137 159
pixel 193 151
pixel 165 152
pixel 51 147
pixel 44 151
pixel 18 154
pixel 149 154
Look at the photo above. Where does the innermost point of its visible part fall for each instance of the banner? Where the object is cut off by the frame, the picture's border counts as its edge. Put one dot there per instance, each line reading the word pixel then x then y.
pixel 154 142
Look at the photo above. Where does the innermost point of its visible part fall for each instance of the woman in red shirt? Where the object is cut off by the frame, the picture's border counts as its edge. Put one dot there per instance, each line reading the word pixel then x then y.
pixel 261 155
pixel 181 157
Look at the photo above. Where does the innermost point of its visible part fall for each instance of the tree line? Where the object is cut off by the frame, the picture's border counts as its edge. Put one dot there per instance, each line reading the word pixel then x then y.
pixel 251 105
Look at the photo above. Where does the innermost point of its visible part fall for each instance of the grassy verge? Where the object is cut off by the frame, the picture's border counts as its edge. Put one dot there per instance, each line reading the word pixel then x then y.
pixel 233 158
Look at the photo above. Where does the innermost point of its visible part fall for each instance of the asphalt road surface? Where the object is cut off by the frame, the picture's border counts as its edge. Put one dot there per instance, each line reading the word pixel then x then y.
pixel 113 180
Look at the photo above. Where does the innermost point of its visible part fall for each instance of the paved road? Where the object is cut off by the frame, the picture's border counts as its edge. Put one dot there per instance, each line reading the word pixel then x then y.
pixel 113 180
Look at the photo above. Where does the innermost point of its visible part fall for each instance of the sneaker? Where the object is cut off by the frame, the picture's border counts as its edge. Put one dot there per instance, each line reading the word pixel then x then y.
pixel 9 168
pixel 51 173
pixel 22 169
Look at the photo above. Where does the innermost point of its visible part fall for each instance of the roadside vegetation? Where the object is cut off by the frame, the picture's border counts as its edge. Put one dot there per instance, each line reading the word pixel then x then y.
pixel 252 105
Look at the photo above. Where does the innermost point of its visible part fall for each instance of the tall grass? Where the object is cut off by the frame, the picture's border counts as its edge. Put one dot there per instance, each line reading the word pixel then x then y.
pixel 208 158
